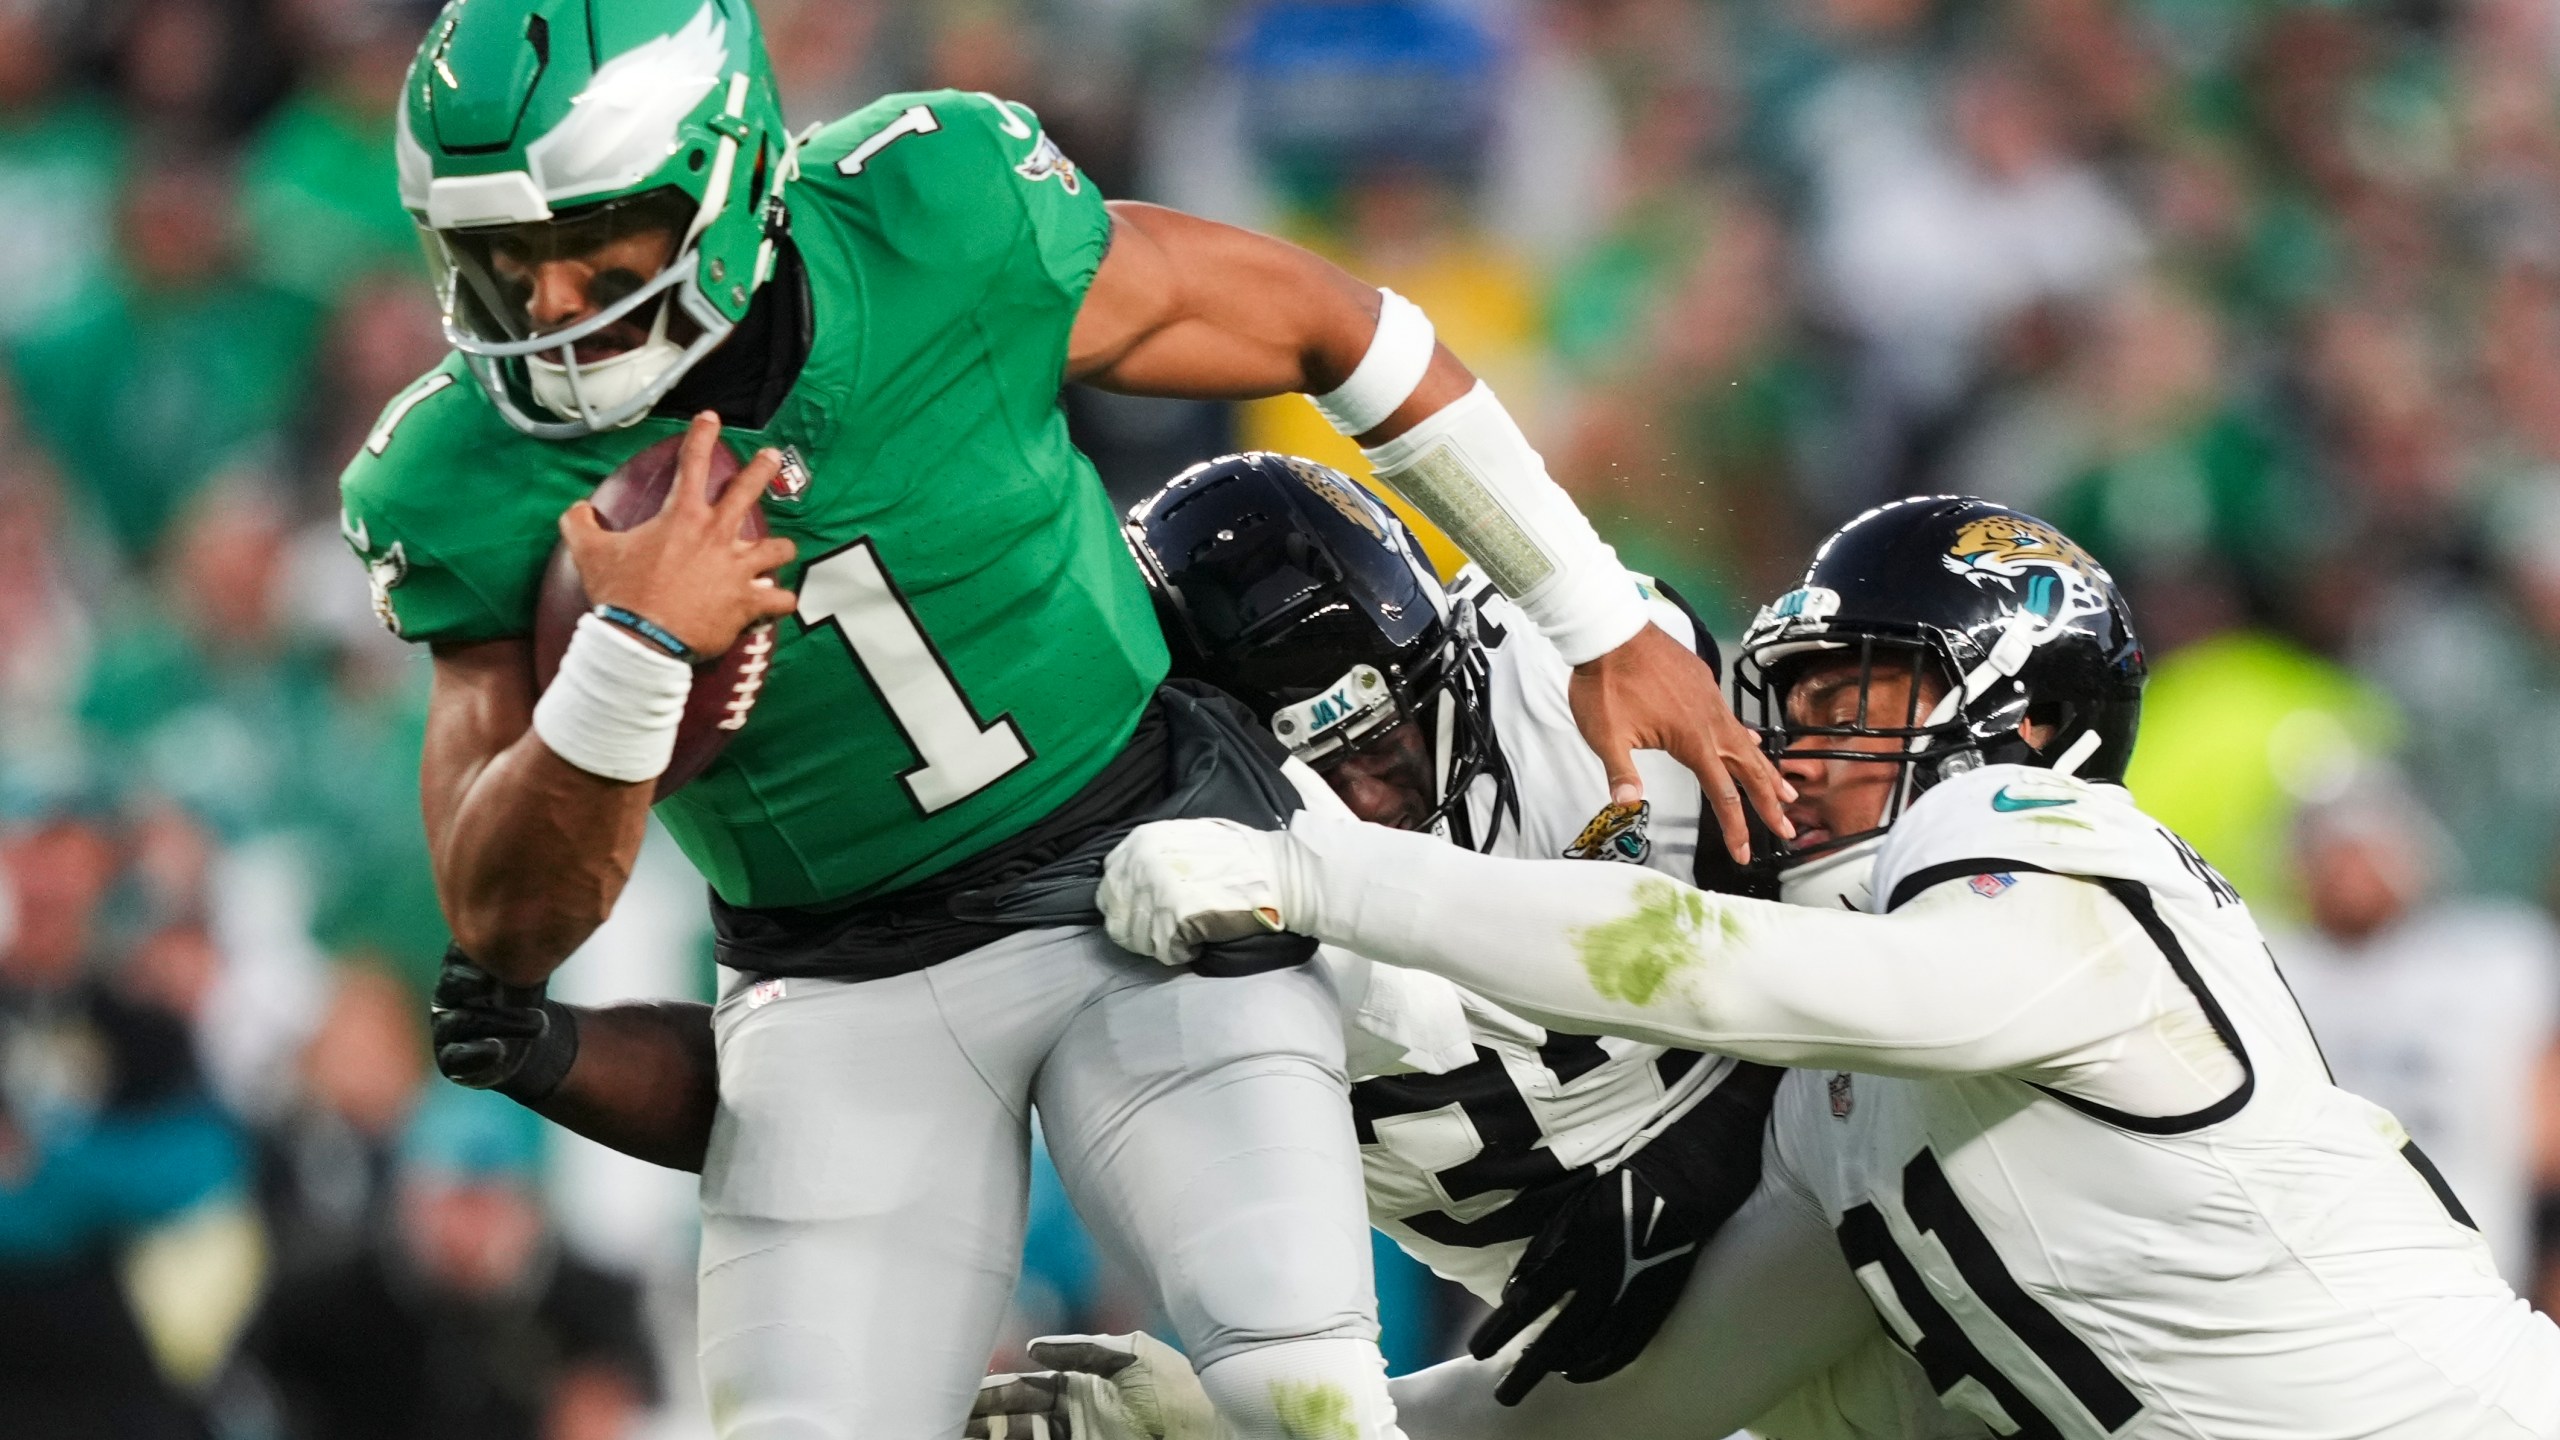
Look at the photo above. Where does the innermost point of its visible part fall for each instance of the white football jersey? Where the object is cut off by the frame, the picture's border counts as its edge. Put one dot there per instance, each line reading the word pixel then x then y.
pixel 1471 1117
pixel 2280 1262
pixel 1560 783
pixel 2089 1170
pixel 2442 1019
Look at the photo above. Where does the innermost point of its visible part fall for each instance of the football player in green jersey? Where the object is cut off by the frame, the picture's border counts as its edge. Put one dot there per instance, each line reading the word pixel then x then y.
pixel 962 706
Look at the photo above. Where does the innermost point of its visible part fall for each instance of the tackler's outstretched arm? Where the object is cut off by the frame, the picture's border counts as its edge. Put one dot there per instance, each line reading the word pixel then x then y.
pixel 1615 950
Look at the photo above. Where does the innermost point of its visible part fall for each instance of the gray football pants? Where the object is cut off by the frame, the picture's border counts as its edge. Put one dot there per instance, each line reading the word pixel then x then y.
pixel 863 1198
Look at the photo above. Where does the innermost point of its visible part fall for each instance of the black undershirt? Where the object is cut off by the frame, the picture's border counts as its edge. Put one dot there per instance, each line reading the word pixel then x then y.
pixel 745 379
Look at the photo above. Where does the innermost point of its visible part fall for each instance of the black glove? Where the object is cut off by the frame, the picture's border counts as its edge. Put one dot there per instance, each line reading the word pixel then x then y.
pixel 1619 1251
pixel 509 1038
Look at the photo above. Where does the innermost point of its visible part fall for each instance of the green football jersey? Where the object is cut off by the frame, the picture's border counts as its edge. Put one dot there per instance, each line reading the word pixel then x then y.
pixel 973 641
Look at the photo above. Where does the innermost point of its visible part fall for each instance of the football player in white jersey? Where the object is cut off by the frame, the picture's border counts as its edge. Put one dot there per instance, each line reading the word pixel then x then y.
pixel 1286 585
pixel 2076 1145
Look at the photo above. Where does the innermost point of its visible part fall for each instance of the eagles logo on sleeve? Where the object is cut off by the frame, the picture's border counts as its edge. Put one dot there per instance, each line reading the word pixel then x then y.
pixel 2061 581
pixel 1046 161
pixel 1617 833
pixel 382 572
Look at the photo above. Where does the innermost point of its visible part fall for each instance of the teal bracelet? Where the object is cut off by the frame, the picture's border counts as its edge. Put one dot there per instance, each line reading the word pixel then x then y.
pixel 649 630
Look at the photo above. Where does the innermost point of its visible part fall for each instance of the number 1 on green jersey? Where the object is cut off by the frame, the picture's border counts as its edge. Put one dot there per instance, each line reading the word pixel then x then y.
pixel 957 756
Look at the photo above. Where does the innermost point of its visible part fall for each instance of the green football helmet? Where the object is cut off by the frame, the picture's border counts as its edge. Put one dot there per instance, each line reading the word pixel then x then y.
pixel 623 131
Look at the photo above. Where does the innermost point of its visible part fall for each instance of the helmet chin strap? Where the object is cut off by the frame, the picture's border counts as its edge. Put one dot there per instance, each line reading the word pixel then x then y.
pixel 1444 744
pixel 2078 753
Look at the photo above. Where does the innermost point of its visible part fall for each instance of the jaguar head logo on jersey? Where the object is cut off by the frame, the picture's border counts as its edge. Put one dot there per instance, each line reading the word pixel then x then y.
pixel 1618 832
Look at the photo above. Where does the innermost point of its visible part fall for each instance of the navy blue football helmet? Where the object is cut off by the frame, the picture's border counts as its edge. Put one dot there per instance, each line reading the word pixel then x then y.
pixel 1287 585
pixel 1998 612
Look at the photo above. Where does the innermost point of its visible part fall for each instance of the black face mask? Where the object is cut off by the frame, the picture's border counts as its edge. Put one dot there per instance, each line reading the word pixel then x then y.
pixel 746 379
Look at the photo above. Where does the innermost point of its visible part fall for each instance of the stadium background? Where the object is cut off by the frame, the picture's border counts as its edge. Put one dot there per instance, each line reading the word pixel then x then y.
pixel 2261 300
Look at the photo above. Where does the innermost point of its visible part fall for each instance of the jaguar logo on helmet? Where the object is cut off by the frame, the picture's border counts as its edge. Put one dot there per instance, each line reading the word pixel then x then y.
pixel 2050 574
pixel 1336 490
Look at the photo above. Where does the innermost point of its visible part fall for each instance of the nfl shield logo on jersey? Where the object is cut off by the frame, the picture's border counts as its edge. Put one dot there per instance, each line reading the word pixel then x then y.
pixel 1989 887
pixel 792 480
pixel 1843 1098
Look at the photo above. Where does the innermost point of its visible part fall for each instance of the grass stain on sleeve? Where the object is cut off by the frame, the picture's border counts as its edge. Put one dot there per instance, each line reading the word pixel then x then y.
pixel 1314 1411
pixel 1631 958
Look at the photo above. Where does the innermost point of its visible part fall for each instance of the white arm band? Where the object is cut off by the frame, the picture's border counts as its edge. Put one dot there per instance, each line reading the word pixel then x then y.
pixel 1468 468
pixel 613 709
pixel 1389 372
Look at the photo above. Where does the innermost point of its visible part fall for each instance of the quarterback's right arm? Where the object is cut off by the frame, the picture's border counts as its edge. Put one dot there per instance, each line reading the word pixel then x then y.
pixel 535 805
pixel 529 850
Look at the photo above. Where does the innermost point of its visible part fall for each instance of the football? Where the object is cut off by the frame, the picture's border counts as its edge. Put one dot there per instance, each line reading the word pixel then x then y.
pixel 724 691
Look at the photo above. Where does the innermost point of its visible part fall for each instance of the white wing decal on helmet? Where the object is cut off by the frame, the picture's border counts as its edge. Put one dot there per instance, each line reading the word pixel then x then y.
pixel 624 124
pixel 417 172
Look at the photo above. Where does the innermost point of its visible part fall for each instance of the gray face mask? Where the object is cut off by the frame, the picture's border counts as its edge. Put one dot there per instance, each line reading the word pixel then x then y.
pixel 1837 881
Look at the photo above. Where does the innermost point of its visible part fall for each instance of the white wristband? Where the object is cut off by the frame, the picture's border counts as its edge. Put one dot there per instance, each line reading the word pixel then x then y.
pixel 613 709
pixel 1468 468
pixel 1389 371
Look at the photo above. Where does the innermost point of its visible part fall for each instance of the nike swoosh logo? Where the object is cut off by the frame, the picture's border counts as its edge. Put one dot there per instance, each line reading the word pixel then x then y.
pixel 1631 1264
pixel 2008 804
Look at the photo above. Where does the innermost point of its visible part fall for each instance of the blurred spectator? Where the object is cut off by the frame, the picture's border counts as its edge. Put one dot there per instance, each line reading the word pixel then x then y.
pixel 326 1175
pixel 124 1268
pixel 2147 455
pixel 61 158
pixel 2474 668
pixel 1941 217
pixel 204 699
pixel 181 369
pixel 2237 731
pixel 822 56
pixel 196 73
pixel 2441 1010
pixel 44 625
pixel 320 191
pixel 464 1319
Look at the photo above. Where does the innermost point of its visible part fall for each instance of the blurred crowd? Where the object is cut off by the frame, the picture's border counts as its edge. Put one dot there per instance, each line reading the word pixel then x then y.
pixel 2260 299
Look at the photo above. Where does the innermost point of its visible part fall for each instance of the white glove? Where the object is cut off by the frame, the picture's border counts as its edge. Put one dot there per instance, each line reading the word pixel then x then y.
pixel 1177 885
pixel 1104 1387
